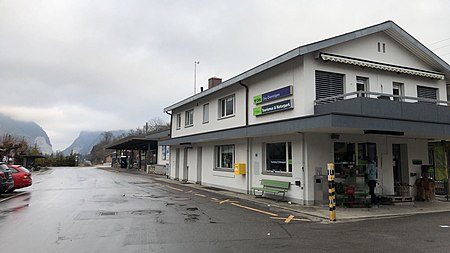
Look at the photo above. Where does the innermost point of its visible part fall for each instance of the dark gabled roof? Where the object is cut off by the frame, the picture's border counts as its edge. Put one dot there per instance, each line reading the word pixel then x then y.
pixel 389 27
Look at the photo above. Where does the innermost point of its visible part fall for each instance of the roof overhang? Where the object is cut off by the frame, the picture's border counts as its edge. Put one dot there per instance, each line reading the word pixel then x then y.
pixel 325 123
pixel 381 66
pixel 140 142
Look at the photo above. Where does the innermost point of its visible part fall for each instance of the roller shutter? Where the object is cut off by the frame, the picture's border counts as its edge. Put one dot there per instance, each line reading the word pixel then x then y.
pixel 426 92
pixel 329 84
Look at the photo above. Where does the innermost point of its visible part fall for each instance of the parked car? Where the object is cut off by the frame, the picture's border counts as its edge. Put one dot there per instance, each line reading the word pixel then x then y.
pixel 21 177
pixel 6 180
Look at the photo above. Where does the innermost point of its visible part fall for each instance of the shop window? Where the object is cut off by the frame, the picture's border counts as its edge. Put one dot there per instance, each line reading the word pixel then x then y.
pixel 226 107
pixel 279 157
pixel 224 156
pixel 344 156
pixel 189 118
pixel 178 120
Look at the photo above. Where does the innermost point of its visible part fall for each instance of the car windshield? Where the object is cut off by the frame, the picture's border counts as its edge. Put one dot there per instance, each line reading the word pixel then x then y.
pixel 24 169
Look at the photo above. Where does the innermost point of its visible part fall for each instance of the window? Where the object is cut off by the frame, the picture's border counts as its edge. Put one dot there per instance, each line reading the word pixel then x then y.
pixel 329 84
pixel 397 90
pixel 362 85
pixel 426 92
pixel 165 152
pixel 279 157
pixel 189 118
pixel 226 106
pixel 379 47
pixel 178 120
pixel 224 156
pixel 205 113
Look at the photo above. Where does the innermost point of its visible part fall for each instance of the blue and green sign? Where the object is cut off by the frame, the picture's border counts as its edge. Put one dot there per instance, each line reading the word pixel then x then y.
pixel 275 107
pixel 272 95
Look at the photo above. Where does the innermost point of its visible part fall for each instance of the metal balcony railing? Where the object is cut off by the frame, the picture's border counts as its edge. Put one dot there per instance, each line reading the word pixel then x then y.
pixel 377 95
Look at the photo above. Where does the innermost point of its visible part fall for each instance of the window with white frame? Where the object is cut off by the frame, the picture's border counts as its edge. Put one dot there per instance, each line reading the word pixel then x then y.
pixel 362 84
pixel 226 107
pixel 279 157
pixel 224 156
pixel 397 90
pixel 189 118
pixel 205 113
pixel 178 120
pixel 165 152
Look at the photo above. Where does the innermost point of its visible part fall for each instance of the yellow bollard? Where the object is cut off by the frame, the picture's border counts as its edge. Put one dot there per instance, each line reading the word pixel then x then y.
pixel 331 192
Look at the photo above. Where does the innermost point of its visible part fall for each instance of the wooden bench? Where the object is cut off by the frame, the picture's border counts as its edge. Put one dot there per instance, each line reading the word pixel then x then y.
pixel 272 186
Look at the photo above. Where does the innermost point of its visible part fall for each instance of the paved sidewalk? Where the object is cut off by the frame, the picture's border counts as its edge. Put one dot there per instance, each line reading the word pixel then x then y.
pixel 343 214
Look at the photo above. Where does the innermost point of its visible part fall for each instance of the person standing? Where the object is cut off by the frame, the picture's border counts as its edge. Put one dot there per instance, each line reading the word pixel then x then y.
pixel 371 172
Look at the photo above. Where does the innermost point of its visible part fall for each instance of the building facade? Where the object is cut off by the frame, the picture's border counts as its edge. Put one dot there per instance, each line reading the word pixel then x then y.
pixel 372 96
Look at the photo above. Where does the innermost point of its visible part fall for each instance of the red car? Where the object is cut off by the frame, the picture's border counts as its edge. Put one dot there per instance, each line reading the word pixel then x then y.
pixel 21 176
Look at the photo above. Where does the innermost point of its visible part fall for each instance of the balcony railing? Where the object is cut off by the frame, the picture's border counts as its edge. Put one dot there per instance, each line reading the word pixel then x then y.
pixel 373 104
pixel 376 95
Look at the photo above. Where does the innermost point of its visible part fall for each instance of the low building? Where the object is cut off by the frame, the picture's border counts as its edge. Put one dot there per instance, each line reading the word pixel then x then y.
pixel 372 96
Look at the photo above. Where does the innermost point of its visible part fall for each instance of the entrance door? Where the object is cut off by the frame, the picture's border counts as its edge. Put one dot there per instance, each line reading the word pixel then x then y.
pixel 199 165
pixel 400 163
pixel 177 164
pixel 185 164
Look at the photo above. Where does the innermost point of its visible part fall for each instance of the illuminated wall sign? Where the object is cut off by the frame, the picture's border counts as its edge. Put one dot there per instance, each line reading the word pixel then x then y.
pixel 275 107
pixel 272 95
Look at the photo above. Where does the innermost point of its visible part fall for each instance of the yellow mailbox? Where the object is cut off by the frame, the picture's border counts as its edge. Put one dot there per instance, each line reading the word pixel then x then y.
pixel 239 169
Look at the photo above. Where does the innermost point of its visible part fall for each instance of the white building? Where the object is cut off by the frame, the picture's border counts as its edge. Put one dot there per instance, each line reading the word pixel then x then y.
pixel 373 94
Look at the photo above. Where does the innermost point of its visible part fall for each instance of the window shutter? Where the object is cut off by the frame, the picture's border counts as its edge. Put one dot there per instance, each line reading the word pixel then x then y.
pixel 426 92
pixel 329 84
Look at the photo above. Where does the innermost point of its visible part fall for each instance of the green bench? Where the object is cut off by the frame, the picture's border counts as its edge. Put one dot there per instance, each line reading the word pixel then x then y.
pixel 272 186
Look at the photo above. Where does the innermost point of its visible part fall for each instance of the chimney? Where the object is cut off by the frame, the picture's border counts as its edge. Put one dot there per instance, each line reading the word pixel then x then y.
pixel 214 81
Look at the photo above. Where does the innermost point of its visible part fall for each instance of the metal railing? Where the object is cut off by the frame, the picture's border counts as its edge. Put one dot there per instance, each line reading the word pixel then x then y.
pixel 377 95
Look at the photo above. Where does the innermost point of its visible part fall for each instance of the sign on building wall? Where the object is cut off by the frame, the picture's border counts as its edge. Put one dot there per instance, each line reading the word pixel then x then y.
pixel 272 95
pixel 275 107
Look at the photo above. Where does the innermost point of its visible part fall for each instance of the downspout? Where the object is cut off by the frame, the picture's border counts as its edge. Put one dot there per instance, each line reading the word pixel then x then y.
pixel 249 152
pixel 170 155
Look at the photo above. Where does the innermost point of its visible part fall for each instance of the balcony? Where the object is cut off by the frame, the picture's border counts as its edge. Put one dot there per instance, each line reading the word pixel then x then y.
pixel 387 106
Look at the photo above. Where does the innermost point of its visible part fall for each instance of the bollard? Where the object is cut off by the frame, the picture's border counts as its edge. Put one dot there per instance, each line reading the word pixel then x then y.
pixel 331 192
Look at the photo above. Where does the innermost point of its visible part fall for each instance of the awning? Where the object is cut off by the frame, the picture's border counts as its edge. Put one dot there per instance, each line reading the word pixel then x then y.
pixel 381 66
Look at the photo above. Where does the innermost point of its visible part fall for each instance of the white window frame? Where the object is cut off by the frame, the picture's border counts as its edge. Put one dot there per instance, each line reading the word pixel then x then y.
pixel 165 153
pixel 189 118
pixel 400 87
pixel 206 113
pixel 288 158
pixel 223 110
pixel 361 80
pixel 218 162
pixel 178 120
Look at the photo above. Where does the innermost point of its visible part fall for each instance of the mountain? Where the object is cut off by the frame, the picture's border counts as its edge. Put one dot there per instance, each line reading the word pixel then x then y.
pixel 32 132
pixel 86 140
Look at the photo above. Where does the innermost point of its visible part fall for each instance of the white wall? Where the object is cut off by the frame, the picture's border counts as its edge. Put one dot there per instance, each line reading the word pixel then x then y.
pixel 214 122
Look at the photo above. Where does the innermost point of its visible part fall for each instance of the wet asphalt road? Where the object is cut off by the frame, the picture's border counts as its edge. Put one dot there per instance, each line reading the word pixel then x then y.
pixel 94 210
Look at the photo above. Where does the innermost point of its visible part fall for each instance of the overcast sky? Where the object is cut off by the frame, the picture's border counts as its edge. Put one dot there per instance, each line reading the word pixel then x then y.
pixel 107 65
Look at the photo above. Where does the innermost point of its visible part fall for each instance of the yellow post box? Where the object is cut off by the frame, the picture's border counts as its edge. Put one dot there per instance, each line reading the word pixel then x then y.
pixel 239 169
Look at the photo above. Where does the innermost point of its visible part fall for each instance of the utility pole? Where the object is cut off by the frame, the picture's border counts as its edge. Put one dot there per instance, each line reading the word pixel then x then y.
pixel 195 75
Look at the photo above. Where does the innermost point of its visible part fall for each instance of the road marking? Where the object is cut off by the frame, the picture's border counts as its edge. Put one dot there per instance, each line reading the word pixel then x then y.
pixel 224 201
pixel 201 195
pixel 215 199
pixel 289 219
pixel 189 191
pixel 254 209
pixel 13 196
pixel 173 188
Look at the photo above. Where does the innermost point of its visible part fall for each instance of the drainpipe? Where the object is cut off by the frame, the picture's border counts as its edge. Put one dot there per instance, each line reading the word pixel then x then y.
pixel 249 151
pixel 246 102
